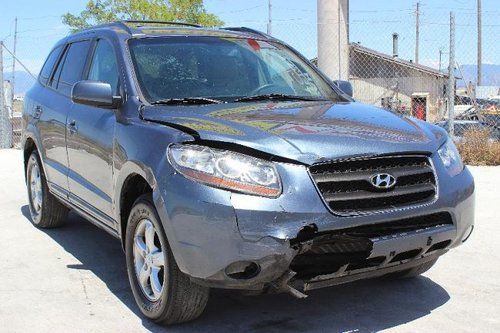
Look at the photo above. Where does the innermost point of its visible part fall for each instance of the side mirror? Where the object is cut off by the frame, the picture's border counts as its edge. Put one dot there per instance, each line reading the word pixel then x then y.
pixel 345 86
pixel 95 93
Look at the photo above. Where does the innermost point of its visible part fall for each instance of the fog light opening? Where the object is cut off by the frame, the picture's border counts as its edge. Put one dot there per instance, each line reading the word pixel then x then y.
pixel 467 233
pixel 242 270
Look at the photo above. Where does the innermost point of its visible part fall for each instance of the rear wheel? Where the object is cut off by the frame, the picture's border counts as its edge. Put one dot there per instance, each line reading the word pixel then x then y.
pixel 45 210
pixel 163 293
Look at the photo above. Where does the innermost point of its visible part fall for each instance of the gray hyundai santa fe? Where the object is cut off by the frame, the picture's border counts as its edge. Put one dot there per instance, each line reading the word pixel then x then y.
pixel 221 158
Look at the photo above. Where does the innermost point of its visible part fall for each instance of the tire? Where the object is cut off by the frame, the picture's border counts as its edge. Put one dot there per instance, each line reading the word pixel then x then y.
pixel 45 210
pixel 178 300
pixel 414 271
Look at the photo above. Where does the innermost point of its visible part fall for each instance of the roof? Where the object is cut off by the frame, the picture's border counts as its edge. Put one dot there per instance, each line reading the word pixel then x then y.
pixel 398 61
pixel 419 67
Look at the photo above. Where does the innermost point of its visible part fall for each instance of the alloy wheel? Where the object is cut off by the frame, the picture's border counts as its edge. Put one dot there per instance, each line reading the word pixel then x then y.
pixel 36 189
pixel 149 260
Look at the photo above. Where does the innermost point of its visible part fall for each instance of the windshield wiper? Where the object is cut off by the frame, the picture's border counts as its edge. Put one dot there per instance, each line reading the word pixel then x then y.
pixel 187 100
pixel 277 97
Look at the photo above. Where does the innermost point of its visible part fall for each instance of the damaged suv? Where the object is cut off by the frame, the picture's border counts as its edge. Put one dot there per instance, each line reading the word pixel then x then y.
pixel 221 158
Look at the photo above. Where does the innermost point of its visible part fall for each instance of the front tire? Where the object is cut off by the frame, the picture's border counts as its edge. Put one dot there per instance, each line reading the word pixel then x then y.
pixel 45 210
pixel 163 293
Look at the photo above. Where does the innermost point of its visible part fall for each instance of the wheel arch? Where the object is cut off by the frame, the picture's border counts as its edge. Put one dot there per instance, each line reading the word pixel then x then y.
pixel 134 181
pixel 30 144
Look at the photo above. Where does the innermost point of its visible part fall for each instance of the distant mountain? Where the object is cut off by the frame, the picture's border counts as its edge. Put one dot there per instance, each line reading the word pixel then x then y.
pixel 23 83
pixel 490 74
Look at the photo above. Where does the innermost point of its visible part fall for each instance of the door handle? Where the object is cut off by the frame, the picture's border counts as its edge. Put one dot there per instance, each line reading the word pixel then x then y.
pixel 72 127
pixel 37 112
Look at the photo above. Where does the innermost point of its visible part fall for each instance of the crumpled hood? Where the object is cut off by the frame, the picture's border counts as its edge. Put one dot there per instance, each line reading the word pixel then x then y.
pixel 308 132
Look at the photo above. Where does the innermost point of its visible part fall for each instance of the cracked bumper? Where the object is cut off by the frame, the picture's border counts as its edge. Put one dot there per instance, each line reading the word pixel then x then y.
pixel 209 229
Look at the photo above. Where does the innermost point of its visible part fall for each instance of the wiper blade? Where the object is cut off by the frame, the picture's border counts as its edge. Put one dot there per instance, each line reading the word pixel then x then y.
pixel 277 97
pixel 187 100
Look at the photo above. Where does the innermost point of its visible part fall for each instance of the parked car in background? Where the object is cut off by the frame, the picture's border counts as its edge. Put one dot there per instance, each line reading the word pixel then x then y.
pixel 221 158
pixel 460 127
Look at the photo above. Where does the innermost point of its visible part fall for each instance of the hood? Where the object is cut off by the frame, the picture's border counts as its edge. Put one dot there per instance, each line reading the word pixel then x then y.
pixel 307 132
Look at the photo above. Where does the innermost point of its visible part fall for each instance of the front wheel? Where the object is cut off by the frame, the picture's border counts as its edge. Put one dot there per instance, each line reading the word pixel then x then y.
pixel 163 293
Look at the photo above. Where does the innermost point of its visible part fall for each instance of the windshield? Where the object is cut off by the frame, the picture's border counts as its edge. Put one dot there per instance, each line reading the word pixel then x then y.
pixel 225 69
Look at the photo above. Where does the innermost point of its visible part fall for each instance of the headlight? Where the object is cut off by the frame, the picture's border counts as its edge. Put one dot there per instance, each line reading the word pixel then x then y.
pixel 451 158
pixel 226 169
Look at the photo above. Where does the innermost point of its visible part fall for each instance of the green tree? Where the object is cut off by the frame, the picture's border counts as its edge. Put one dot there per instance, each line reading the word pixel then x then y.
pixel 103 11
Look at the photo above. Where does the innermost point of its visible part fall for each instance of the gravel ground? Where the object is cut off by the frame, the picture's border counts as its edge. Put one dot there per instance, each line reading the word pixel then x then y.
pixel 74 280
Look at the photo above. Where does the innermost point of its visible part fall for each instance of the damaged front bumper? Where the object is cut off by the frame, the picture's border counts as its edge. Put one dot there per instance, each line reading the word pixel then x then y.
pixel 391 254
pixel 235 241
pixel 307 265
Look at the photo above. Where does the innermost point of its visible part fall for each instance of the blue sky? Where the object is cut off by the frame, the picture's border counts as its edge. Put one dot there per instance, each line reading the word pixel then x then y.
pixel 372 23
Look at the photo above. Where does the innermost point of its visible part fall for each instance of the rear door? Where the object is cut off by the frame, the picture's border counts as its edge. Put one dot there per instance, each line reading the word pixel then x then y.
pixel 50 121
pixel 52 110
pixel 90 140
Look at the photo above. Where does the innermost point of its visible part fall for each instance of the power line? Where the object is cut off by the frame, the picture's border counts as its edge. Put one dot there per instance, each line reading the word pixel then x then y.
pixel 42 30
pixel 38 17
pixel 9 34
pixel 239 10
pixel 382 11
pixel 19 61
pixel 43 36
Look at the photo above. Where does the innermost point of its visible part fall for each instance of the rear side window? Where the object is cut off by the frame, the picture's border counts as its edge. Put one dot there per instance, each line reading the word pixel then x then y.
pixel 72 67
pixel 49 65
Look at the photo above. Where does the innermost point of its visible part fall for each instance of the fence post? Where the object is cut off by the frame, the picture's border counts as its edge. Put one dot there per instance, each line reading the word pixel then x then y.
pixel 4 114
pixel 451 77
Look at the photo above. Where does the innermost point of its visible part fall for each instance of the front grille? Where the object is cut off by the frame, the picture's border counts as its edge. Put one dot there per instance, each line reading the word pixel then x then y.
pixel 347 189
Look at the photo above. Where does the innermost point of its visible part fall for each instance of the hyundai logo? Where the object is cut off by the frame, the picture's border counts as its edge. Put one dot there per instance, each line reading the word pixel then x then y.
pixel 383 181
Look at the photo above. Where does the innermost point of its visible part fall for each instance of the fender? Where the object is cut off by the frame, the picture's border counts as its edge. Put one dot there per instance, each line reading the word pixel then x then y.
pixel 130 168
pixel 31 133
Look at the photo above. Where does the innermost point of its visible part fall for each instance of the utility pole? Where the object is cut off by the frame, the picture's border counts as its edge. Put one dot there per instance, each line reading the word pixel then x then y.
pixel 451 76
pixel 333 38
pixel 440 55
pixel 479 40
pixel 417 31
pixel 269 17
pixel 14 63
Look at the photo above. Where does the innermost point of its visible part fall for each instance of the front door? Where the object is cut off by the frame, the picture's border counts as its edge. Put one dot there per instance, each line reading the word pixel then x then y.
pixel 90 135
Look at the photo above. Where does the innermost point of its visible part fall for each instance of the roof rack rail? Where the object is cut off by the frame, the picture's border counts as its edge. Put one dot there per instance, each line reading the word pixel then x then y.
pixel 125 24
pixel 249 30
pixel 160 22
pixel 108 25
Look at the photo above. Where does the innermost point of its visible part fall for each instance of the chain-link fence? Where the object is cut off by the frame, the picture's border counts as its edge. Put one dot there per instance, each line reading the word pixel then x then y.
pixel 385 69
pixel 11 106
pixel 11 118
pixel 383 66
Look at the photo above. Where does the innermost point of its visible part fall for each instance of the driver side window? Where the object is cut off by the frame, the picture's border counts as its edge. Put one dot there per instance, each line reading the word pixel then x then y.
pixel 104 67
